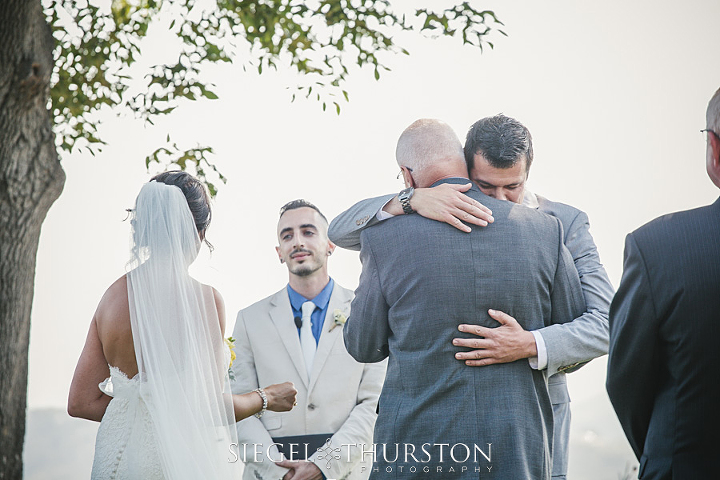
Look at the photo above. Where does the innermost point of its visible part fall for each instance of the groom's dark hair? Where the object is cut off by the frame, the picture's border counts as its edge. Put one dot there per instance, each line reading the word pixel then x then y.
pixel 503 141
pixel 300 203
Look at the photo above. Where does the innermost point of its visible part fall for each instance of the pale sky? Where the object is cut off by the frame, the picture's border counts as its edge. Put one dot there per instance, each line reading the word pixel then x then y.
pixel 613 92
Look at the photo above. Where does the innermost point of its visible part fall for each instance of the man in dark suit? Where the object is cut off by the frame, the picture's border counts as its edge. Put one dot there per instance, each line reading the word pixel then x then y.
pixel 663 362
pixel 420 280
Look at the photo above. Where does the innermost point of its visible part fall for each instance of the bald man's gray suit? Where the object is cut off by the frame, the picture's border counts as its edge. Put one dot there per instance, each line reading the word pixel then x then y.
pixel 420 280
pixel 569 345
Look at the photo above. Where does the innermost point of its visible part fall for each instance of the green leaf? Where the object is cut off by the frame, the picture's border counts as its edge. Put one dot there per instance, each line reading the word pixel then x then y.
pixel 94 48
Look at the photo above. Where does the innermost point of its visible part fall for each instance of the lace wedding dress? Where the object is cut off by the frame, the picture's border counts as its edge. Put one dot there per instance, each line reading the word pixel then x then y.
pixel 126 429
pixel 174 420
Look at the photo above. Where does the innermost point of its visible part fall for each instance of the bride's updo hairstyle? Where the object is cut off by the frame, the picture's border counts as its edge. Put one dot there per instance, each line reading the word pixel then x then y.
pixel 196 196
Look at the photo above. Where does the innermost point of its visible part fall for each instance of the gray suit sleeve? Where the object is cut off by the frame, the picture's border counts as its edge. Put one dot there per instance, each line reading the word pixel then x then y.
pixel 345 229
pixel 566 298
pixel 633 361
pixel 571 345
pixel 366 331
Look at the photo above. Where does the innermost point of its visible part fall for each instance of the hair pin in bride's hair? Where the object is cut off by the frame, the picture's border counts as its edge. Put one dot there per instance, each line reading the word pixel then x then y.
pixel 129 211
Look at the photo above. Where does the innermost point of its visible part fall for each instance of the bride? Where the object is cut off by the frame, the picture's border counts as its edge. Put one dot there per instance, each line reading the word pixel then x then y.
pixel 155 349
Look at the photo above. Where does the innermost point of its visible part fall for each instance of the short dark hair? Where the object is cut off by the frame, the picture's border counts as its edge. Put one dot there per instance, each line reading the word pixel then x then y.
pixel 503 141
pixel 300 203
pixel 195 194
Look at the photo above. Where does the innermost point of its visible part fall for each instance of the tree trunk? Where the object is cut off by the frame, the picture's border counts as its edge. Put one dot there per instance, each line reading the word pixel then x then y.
pixel 31 179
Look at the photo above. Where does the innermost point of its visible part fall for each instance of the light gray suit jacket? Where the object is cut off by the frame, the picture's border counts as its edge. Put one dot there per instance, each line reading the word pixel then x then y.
pixel 569 345
pixel 420 280
pixel 339 398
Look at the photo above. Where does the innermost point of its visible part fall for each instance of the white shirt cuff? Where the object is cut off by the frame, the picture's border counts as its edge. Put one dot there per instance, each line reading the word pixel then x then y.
pixel 540 361
pixel 382 214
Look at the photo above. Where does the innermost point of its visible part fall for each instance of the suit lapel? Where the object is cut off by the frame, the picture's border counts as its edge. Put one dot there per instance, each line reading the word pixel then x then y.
pixel 282 317
pixel 339 300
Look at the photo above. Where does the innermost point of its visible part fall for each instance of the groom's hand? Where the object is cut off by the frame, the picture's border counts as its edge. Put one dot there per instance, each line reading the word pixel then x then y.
pixel 300 470
pixel 447 203
pixel 503 344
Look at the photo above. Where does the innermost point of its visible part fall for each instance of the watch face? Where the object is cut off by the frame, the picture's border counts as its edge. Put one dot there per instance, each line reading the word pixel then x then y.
pixel 406 194
pixel 404 198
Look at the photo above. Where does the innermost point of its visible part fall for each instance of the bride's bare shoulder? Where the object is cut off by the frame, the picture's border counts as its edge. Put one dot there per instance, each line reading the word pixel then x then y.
pixel 218 301
pixel 114 303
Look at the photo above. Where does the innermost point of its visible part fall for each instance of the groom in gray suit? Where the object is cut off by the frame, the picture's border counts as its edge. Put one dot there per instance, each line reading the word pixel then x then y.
pixel 499 153
pixel 435 414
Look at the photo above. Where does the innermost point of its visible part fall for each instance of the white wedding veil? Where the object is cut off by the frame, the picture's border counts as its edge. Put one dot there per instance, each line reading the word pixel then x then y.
pixel 178 342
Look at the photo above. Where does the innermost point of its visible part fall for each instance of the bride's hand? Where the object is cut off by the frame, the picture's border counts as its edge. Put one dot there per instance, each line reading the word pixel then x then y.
pixel 281 397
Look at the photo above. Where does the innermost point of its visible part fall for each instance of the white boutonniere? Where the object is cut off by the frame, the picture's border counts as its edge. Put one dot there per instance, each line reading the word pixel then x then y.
pixel 339 319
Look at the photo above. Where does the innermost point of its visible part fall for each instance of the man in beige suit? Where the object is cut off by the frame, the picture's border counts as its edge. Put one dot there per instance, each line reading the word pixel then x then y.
pixel 296 335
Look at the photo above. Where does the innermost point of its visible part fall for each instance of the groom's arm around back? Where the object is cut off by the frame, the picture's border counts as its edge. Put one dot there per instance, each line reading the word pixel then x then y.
pixel 566 297
pixel 346 228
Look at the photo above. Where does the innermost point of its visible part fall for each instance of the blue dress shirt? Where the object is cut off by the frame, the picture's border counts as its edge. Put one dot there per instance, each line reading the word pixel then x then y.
pixel 321 302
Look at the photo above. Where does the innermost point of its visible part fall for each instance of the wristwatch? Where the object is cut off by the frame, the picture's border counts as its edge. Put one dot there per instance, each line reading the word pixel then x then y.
pixel 404 199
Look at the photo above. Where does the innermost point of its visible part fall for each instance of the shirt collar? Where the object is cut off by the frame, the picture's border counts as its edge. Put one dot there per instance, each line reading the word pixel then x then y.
pixel 455 180
pixel 321 300
pixel 530 199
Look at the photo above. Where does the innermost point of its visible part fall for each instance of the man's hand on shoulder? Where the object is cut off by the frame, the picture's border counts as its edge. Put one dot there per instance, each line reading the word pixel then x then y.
pixel 300 470
pixel 447 203
pixel 503 344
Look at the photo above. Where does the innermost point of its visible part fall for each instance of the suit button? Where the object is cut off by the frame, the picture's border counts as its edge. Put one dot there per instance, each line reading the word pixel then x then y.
pixel 311 406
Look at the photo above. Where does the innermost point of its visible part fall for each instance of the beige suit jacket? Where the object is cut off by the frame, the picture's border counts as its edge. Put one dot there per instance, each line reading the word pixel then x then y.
pixel 340 397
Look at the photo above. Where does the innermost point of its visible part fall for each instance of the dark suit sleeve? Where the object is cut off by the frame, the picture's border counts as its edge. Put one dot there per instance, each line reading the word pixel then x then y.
pixel 566 298
pixel 366 331
pixel 632 377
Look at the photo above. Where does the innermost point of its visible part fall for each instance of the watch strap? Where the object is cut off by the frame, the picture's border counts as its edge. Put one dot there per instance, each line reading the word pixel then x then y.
pixel 404 198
